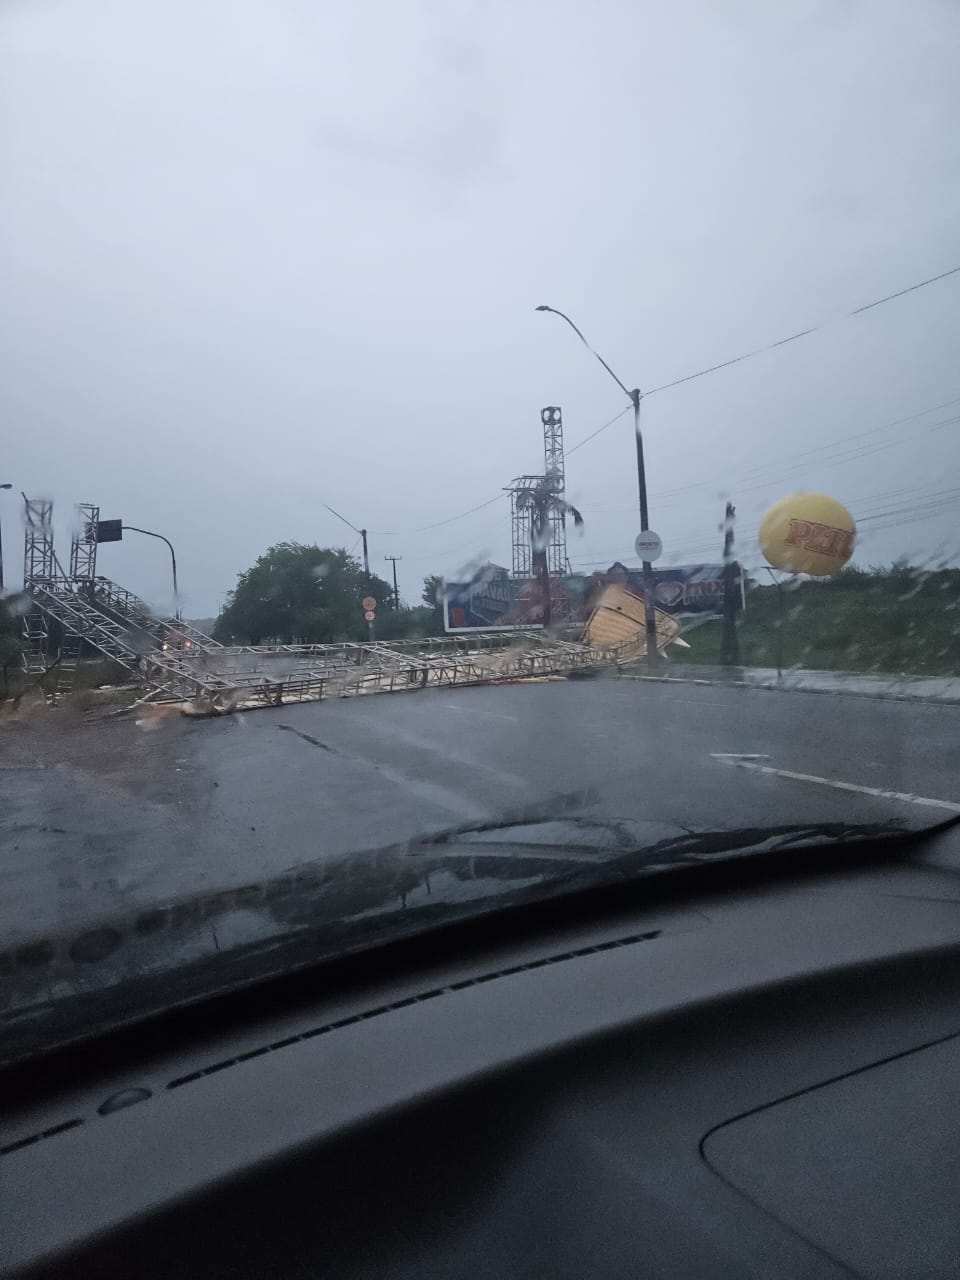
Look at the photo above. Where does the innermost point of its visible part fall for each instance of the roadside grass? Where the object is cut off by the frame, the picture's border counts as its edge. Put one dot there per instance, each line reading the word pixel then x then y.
pixel 899 621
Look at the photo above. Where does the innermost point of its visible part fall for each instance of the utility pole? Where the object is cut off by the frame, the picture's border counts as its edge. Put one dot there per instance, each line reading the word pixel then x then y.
pixel 649 616
pixel 371 627
pixel 779 585
pixel 396 592
pixel 634 396
pixel 366 556
pixel 729 640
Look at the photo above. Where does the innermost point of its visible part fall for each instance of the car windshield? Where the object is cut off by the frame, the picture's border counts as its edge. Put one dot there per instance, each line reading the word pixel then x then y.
pixel 455 455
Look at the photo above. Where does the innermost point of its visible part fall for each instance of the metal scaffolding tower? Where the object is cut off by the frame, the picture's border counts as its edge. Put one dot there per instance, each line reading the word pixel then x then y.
pixel 83 545
pixel 520 517
pixel 520 532
pixel 85 609
pixel 39 567
pixel 39 560
pixel 552 420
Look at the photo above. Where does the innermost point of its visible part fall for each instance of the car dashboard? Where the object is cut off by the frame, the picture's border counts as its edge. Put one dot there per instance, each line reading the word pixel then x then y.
pixel 757 1078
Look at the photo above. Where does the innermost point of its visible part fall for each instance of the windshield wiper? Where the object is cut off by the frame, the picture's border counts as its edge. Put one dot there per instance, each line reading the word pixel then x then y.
pixel 170 956
pixel 627 845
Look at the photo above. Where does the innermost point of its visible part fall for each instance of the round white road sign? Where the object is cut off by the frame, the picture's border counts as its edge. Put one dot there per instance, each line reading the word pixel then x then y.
pixel 648 545
pixel 369 616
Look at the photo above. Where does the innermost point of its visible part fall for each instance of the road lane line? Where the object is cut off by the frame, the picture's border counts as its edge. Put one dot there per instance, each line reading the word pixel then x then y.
pixel 475 711
pixel 903 796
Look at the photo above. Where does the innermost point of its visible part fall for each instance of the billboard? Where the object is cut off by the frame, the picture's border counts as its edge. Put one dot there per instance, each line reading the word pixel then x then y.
pixel 493 601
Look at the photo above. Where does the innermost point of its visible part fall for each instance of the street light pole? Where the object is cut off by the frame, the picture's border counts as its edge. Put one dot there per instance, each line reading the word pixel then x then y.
pixel 132 528
pixel 649 614
pixel 779 585
pixel 2 486
pixel 634 396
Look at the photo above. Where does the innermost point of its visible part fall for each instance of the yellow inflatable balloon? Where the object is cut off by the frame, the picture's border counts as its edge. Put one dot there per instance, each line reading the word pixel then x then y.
pixel 808 533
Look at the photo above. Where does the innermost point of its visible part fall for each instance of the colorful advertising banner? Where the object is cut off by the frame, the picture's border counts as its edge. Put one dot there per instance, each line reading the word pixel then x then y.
pixel 493 601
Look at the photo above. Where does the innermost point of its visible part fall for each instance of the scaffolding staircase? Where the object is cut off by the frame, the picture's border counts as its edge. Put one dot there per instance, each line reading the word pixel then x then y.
pixel 162 654
pixel 163 672
pixel 123 604
pixel 67 664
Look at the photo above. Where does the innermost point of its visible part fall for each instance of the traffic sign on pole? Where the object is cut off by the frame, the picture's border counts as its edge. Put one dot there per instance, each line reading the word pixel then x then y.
pixel 648 545
pixel 105 531
pixel 368 603
pixel 369 616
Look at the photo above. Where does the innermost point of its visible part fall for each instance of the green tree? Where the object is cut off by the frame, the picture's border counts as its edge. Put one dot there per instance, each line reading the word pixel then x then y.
pixel 296 593
pixel 9 645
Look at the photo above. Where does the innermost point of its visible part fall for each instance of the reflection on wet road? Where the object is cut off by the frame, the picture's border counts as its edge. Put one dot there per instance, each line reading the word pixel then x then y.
pixel 105 818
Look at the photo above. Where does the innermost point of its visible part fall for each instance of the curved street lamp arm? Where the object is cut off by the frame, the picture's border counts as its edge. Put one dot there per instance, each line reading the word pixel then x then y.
pixel 173 559
pixel 632 396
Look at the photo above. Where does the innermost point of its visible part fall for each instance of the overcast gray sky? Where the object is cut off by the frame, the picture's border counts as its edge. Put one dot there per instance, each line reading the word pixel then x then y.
pixel 256 256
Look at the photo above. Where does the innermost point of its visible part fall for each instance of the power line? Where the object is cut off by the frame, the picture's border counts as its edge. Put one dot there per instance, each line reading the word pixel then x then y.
pixel 725 364
pixel 781 342
pixel 586 439
pixel 910 289
pixel 666 386
pixel 396 533
pixel 933 503
pixel 446 552
pixel 887 426
pixel 837 452
pixel 839 459
pixel 926 506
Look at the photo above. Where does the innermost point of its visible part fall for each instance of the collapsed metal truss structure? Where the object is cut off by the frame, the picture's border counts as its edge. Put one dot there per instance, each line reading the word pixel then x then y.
pixel 80 609
pixel 520 516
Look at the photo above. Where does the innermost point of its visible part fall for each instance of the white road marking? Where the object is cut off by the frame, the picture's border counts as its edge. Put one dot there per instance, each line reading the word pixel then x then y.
pixel 737 755
pixel 905 797
pixel 475 711
pixel 695 702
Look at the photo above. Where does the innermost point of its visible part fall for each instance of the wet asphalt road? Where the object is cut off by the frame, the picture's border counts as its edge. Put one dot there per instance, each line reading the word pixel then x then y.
pixel 196 805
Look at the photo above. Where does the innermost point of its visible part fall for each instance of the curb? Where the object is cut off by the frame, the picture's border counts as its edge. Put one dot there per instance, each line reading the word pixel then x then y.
pixel 769 687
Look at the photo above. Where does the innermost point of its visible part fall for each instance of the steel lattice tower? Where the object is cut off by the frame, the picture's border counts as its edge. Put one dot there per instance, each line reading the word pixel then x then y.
pixel 552 420
pixel 522 552
pixel 557 562
pixel 39 561
pixel 39 567
pixel 83 545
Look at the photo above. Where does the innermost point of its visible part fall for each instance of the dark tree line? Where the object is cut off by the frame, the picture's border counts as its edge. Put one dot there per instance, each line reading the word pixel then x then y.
pixel 312 595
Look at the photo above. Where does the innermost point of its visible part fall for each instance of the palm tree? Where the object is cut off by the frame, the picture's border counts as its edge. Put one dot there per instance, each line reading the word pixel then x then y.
pixel 543 500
